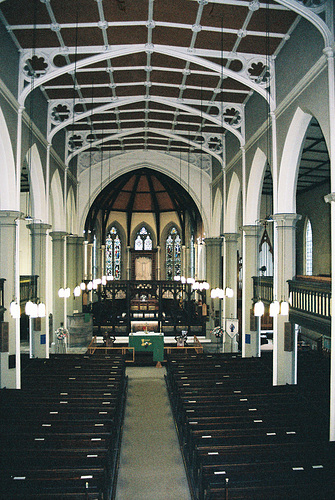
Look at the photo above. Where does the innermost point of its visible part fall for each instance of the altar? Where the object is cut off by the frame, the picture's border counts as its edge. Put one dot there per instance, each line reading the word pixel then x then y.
pixel 150 342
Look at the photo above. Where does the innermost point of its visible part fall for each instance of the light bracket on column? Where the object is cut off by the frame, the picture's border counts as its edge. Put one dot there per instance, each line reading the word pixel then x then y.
pixel 274 308
pixel 258 308
pixel 284 308
pixel 14 309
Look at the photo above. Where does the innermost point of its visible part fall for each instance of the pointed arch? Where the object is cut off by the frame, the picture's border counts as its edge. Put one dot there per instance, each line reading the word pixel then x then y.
pixel 56 204
pixel 37 185
pixel 217 214
pixel 8 199
pixel 254 188
pixel 289 166
pixel 233 200
pixel 70 211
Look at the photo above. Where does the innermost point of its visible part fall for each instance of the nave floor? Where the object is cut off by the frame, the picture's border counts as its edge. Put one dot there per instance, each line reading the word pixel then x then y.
pixel 151 465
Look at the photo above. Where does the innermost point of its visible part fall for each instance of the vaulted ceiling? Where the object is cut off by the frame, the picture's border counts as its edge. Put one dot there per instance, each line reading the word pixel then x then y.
pixel 146 74
pixel 164 75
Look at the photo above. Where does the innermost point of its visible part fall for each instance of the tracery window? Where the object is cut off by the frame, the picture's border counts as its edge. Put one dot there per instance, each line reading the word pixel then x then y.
pixel 143 240
pixel 173 254
pixel 308 248
pixel 113 254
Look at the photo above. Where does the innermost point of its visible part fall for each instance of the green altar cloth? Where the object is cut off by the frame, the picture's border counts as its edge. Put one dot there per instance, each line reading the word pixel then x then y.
pixel 152 342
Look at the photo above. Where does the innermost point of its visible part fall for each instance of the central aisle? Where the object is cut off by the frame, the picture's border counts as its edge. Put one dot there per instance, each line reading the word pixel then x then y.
pixel 151 465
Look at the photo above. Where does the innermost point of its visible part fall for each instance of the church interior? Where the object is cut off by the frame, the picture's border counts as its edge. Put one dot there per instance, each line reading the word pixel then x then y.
pixel 167 240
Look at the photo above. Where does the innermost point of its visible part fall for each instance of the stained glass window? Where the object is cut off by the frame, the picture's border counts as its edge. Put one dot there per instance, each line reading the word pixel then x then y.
pixel 173 254
pixel 113 254
pixel 143 240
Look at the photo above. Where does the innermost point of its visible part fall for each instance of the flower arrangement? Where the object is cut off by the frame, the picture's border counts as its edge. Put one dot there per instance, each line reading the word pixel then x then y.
pixel 218 331
pixel 61 333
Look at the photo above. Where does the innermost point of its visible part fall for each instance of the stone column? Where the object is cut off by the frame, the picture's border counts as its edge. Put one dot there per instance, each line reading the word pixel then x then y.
pixel 201 256
pixel 102 260
pixel 128 263
pixel 183 262
pixel 39 340
pixel 8 376
pixel 285 343
pixel 250 324
pixel 330 198
pixel 230 240
pixel 214 278
pixel 159 262
pixel 78 301
pixel 71 270
pixel 57 278
pixel 89 261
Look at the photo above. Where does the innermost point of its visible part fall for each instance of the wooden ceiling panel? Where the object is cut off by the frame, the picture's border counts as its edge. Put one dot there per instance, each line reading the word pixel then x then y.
pixel 208 80
pixel 86 37
pixel 259 45
pixel 41 38
pixel 229 16
pixel 271 21
pixel 166 77
pixel 178 23
pixel 164 91
pixel 215 40
pixel 180 11
pixel 127 90
pixel 125 10
pixel 199 94
pixel 163 61
pixel 118 35
pixel 172 36
pixel 129 76
pixel 83 11
pixel 25 12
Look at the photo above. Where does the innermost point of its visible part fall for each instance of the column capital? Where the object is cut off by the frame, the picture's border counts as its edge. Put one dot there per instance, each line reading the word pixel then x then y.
pixel 39 227
pixel 231 237
pixel 9 216
pixel 251 229
pixel 329 197
pixel 286 220
pixel 71 239
pixel 57 235
pixel 213 241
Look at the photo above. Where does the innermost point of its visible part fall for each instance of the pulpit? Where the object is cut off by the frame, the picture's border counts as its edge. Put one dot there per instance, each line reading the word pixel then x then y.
pixel 148 342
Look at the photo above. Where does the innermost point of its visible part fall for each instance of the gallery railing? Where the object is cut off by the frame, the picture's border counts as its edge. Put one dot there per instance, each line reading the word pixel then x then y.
pixel 310 298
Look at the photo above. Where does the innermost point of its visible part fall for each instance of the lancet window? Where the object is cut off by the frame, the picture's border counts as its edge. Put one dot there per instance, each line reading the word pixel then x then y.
pixel 173 254
pixel 143 240
pixel 113 254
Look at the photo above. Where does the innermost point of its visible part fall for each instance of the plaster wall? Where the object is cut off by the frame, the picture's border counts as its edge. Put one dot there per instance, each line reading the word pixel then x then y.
pixel 312 205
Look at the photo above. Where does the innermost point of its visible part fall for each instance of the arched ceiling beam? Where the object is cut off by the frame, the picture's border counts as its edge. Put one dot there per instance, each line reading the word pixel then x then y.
pixel 310 15
pixel 135 131
pixel 180 53
pixel 124 101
